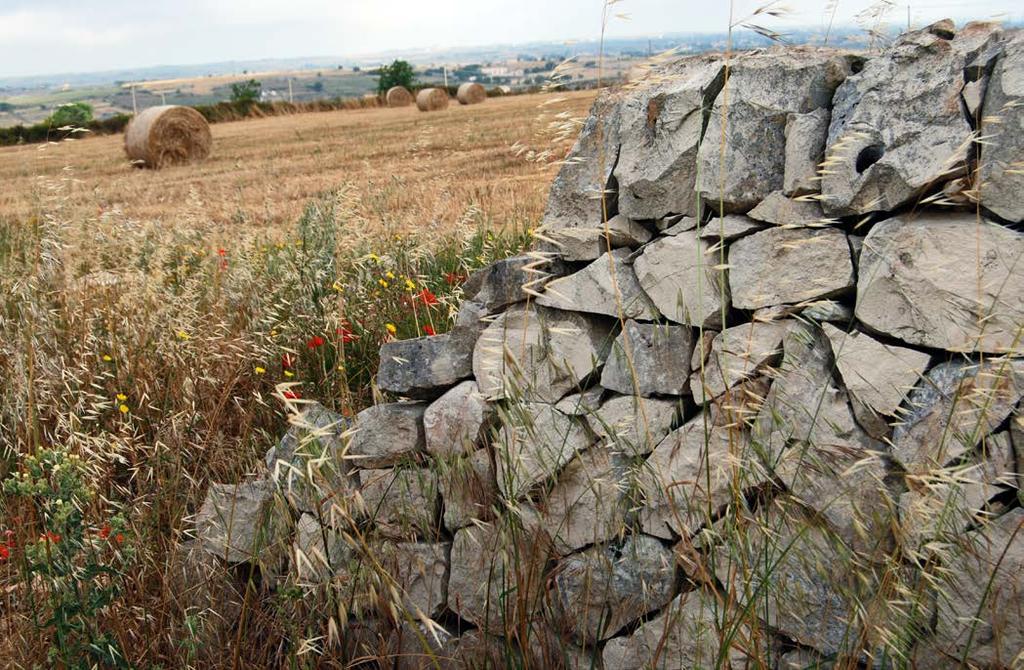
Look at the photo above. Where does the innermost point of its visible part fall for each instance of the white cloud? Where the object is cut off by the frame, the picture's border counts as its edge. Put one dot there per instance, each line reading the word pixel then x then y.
pixel 60 35
pixel 49 28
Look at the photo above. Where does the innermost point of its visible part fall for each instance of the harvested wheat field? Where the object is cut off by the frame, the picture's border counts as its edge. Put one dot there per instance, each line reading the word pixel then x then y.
pixel 157 328
pixel 406 168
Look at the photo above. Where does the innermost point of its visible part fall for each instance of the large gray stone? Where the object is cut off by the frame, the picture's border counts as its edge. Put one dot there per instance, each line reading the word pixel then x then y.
pixel 693 472
pixel 763 89
pixel 945 502
pixel 780 210
pixel 538 353
pixel 589 242
pixel 509 280
pixel 320 553
pixel 634 424
pixel 738 353
pixel 590 501
pixel 662 125
pixel 683 276
pixel 806 136
pixel 944 281
pixel 308 465
pixel 849 486
pixel 402 503
pixel 729 227
pixel 1017 438
pixel 897 125
pixel 802 583
pixel 952 409
pixel 607 286
pixel 580 195
pixel 686 634
pixel 535 441
pixel 581 404
pixel 422 367
pixel 1002 180
pixel 878 376
pixel 495 575
pixel 457 422
pixel 244 522
pixel 805 408
pixel 649 359
pixel 420 571
pixel 980 615
pixel 468 488
pixel 387 434
pixel 781 265
pixel 598 591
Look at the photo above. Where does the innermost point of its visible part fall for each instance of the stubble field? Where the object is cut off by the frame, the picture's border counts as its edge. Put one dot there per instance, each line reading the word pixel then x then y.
pixel 158 328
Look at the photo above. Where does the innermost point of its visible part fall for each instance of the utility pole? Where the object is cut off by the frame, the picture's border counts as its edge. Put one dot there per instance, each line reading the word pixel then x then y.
pixel 135 105
pixel 291 99
pixel 908 17
pixel 163 99
pixel 445 68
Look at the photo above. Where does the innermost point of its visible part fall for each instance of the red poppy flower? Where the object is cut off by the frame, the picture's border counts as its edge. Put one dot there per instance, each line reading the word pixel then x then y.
pixel 346 334
pixel 291 395
pixel 315 341
pixel 454 278
pixel 5 553
pixel 222 252
pixel 119 538
pixel 104 532
pixel 428 330
pixel 427 297
pixel 287 361
pixel 49 537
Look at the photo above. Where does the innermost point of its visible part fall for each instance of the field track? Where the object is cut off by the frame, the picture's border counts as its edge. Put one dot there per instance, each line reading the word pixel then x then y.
pixel 403 166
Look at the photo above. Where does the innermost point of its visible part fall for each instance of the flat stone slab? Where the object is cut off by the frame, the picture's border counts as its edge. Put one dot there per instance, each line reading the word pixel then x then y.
pixel 539 354
pixel 607 286
pixel 387 434
pixel 535 441
pixel 602 589
pixel 422 367
pixel 947 281
pixel 682 276
pixel 649 359
pixel 782 266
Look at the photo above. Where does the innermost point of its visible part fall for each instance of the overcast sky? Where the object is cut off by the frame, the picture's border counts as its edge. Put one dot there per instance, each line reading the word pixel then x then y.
pixel 49 36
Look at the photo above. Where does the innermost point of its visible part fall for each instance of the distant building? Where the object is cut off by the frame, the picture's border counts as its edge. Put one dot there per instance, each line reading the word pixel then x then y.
pixel 501 71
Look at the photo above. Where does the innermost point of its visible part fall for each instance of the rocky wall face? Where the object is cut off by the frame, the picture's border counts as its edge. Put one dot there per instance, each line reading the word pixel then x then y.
pixel 760 406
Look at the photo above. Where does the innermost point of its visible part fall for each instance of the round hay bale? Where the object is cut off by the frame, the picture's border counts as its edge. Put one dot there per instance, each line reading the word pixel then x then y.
pixel 471 93
pixel 398 96
pixel 432 99
pixel 167 135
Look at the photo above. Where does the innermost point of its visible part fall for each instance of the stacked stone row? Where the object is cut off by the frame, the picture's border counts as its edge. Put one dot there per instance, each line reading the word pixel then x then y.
pixel 790 334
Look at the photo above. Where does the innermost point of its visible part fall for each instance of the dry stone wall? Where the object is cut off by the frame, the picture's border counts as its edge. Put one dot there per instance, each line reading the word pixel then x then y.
pixel 755 401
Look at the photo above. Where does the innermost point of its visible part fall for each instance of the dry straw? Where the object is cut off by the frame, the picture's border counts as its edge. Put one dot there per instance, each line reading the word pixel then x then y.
pixel 471 94
pixel 432 99
pixel 167 135
pixel 398 96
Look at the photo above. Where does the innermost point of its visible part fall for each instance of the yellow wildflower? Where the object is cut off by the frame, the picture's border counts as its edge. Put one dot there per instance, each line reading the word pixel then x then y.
pixel 391 328
pixel 259 370
pixel 373 257
pixel 122 397
pixel 182 335
pixel 409 285
pixel 289 373
pixel 107 358
pixel 382 283
pixel 390 274
pixel 123 409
